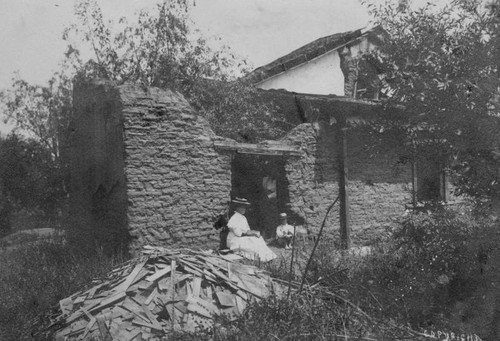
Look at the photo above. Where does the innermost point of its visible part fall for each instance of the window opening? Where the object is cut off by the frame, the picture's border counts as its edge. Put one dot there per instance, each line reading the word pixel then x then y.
pixel 430 180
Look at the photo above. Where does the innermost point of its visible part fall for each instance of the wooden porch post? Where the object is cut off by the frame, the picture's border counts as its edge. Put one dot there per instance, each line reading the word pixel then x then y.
pixel 345 240
pixel 414 175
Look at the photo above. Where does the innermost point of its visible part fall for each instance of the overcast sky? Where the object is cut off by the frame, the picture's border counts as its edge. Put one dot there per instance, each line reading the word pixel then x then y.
pixel 261 30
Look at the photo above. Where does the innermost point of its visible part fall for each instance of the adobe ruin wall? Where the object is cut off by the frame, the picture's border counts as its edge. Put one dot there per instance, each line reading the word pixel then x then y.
pixel 378 192
pixel 144 170
pixel 172 181
pixel 310 195
pixel 177 183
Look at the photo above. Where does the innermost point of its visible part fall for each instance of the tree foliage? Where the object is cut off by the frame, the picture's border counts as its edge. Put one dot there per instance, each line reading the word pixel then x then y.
pixel 441 63
pixel 29 177
pixel 40 112
pixel 161 48
pixel 158 47
pixel 33 163
pixel 155 49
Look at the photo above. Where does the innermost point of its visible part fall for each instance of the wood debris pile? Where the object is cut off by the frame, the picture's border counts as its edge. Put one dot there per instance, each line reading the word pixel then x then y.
pixel 163 291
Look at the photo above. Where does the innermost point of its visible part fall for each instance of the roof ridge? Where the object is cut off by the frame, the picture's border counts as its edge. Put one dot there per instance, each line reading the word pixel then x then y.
pixel 306 53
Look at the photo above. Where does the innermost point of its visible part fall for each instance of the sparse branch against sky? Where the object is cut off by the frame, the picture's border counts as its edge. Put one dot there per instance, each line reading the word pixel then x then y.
pixel 32 45
pixel 260 30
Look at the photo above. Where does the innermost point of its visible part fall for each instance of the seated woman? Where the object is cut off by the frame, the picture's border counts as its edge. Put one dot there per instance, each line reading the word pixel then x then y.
pixel 242 239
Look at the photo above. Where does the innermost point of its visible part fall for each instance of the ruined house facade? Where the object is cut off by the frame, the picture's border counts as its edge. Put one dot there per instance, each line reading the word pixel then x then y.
pixel 147 169
pixel 339 68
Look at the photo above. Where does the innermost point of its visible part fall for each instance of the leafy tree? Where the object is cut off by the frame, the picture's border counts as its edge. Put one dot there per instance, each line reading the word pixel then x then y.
pixel 33 163
pixel 441 63
pixel 40 112
pixel 29 178
pixel 154 50
pixel 161 49
pixel 157 48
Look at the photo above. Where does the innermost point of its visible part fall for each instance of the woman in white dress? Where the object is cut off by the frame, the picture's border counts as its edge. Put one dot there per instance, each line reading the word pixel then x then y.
pixel 242 239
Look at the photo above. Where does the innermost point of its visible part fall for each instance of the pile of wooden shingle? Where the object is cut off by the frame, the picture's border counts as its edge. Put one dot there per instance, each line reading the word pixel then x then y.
pixel 162 292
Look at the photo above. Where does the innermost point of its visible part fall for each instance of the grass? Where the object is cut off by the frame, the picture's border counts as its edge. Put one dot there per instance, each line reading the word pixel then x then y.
pixel 18 238
pixel 434 284
pixel 34 277
pixel 361 297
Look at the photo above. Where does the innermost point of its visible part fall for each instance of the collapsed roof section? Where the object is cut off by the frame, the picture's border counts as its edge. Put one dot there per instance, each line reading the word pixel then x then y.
pixel 308 108
pixel 162 292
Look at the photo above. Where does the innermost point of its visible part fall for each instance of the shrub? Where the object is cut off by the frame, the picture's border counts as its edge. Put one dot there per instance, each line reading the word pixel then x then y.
pixel 310 315
pixel 433 261
pixel 303 318
pixel 5 215
pixel 34 277
pixel 30 177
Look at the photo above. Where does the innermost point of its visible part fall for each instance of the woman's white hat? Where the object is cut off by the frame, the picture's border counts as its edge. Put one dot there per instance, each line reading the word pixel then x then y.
pixel 240 201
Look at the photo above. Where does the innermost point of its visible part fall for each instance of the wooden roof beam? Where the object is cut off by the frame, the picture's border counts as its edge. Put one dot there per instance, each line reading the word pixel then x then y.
pixel 272 149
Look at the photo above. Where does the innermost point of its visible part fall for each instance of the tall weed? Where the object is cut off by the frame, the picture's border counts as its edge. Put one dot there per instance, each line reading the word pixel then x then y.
pixel 434 263
pixel 35 276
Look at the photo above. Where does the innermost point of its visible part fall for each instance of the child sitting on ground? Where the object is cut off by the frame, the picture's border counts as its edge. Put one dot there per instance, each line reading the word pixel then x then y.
pixel 284 232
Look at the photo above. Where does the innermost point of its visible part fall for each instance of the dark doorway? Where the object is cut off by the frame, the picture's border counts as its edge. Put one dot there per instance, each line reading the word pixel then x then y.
pixel 261 179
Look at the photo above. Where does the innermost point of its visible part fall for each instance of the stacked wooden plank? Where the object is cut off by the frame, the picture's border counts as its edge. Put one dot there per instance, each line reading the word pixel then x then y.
pixel 162 292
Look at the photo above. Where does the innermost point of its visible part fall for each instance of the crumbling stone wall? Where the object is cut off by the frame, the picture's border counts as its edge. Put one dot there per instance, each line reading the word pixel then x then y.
pixel 374 207
pixel 176 181
pixel 378 191
pixel 379 187
pixel 145 171
pixel 309 194
pixel 145 163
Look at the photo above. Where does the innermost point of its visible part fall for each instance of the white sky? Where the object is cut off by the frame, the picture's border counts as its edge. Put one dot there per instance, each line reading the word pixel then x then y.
pixel 260 30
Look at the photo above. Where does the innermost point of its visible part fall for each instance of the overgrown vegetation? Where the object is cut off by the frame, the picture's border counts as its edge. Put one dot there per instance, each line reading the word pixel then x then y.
pixel 439 271
pixel 438 68
pixel 32 183
pixel 159 47
pixel 437 274
pixel 35 276
pixel 307 316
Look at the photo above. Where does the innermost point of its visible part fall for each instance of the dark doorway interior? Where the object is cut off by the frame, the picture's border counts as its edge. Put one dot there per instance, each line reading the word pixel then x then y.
pixel 261 179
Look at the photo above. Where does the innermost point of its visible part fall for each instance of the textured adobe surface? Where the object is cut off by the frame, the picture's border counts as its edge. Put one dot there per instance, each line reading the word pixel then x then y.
pixel 145 171
pixel 161 160
pixel 176 181
pixel 377 192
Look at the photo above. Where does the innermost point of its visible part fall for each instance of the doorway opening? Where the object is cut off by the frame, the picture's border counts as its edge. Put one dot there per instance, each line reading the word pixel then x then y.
pixel 261 179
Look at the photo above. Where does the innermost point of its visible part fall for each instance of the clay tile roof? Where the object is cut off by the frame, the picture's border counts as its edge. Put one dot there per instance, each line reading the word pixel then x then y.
pixel 304 54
